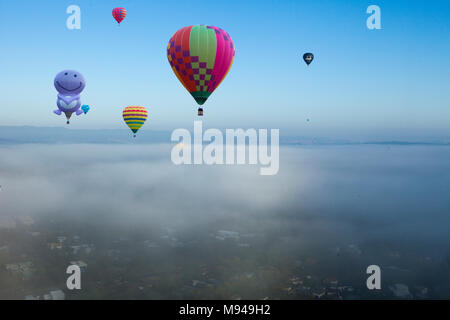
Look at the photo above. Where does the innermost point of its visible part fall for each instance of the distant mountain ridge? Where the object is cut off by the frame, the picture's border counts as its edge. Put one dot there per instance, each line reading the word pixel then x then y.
pixel 59 135
pixel 56 135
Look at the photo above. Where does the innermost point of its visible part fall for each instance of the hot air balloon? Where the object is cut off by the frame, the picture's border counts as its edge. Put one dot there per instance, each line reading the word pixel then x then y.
pixel 69 84
pixel 134 117
pixel 200 57
pixel 85 108
pixel 119 14
pixel 308 58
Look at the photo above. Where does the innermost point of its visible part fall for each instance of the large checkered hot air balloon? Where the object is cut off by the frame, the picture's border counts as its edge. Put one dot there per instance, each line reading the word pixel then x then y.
pixel 134 117
pixel 119 14
pixel 200 57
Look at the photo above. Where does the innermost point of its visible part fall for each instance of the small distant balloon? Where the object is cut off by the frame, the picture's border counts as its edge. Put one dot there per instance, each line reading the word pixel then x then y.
pixel 85 108
pixel 308 58
pixel 119 14
pixel 135 117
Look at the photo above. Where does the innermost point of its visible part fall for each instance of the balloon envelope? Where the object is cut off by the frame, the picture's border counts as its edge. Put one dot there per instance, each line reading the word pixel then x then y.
pixel 200 57
pixel 308 58
pixel 85 108
pixel 134 117
pixel 119 14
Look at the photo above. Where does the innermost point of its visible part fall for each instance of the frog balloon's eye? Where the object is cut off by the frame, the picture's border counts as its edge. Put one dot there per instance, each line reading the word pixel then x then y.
pixel 65 73
pixel 75 75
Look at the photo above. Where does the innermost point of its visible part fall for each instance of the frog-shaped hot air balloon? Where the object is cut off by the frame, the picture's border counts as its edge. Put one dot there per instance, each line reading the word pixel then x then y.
pixel 69 84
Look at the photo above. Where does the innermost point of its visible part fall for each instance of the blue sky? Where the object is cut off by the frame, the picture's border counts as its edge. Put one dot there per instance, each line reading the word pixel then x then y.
pixel 393 81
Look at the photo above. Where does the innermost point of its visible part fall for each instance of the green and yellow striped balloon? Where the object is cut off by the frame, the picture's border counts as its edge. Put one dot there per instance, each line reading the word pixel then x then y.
pixel 134 117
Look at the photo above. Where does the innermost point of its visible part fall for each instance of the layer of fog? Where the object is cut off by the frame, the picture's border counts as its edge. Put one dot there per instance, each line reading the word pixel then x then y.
pixel 350 193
